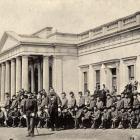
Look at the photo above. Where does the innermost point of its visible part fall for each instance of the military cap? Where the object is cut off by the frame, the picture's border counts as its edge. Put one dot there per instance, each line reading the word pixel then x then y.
pixel 118 95
pixel 7 93
pixel 63 93
pixel 108 95
pixel 80 92
pixel 71 93
pixel 14 95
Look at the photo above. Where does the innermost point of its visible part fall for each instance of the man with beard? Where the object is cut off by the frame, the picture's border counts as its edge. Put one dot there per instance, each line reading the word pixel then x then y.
pixel 53 104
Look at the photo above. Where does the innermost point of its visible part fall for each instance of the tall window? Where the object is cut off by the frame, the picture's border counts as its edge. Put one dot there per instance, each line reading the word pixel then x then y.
pixel 131 72
pixel 114 79
pixel 85 81
pixel 97 78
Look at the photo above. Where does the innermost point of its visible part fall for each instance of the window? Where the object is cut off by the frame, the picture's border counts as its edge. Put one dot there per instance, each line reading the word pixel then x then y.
pixel 85 81
pixel 131 72
pixel 97 78
pixel 114 79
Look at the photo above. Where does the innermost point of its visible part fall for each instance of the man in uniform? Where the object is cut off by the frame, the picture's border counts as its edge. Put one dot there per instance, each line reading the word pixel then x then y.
pixel 114 117
pixel 109 102
pixel 127 101
pixel 53 104
pixel 86 118
pixel 136 107
pixel 123 115
pixel 99 103
pixel 2 117
pixel 30 110
pixel 119 103
pixel 96 118
pixel 64 107
pixel 71 109
pixel 106 118
pixel 80 105
pixel 7 105
pixel 92 103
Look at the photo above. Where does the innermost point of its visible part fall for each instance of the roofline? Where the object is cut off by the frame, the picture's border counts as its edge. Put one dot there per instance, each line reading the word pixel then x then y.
pixel 40 30
pixel 106 24
pixel 107 36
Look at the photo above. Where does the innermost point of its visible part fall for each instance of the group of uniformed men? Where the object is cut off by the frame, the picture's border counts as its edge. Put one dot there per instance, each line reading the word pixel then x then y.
pixel 99 110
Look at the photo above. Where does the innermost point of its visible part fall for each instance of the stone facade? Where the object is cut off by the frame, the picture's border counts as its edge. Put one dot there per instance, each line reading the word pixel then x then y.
pixel 108 54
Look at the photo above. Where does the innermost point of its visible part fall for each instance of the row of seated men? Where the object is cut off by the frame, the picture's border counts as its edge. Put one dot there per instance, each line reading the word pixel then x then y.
pixel 90 111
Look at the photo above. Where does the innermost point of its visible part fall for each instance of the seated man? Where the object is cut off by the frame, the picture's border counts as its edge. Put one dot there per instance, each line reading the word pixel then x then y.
pixel 106 118
pixel 13 118
pixel 42 116
pixel 96 118
pixel 132 120
pixel 2 117
pixel 22 118
pixel 114 117
pixel 86 118
pixel 123 115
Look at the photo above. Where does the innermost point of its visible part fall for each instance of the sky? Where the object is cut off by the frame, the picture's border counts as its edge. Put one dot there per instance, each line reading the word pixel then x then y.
pixel 28 16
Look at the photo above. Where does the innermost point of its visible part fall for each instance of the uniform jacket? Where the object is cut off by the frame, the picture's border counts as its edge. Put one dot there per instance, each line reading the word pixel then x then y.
pixel 99 104
pixel 92 104
pixel 119 104
pixel 64 103
pixel 97 114
pixel 127 102
pixel 14 104
pixel 30 106
pixel 114 114
pixel 109 103
pixel 7 103
pixel 72 103
pixel 2 116
pixel 44 102
pixel 81 102
pixel 106 115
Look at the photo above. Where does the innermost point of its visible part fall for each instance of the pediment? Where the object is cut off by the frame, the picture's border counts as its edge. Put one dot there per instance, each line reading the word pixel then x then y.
pixel 7 42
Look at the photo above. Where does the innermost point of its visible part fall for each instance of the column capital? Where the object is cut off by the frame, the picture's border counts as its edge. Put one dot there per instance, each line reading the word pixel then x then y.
pixel 57 56
pixel 45 56
pixel 3 64
pixel 24 56
pixel 13 60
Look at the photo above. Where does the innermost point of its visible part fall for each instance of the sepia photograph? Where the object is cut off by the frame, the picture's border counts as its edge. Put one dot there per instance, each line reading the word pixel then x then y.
pixel 69 69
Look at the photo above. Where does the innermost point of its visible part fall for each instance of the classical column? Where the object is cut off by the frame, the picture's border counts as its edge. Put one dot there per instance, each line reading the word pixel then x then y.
pixel 13 77
pixel 103 75
pixel 25 82
pixel 80 77
pixel 18 74
pixel 90 79
pixel 39 77
pixel 32 78
pixel 46 73
pixel 7 77
pixel 58 74
pixel 2 81
pixel 122 76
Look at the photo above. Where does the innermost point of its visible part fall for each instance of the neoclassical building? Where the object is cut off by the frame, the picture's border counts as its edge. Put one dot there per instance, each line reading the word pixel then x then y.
pixel 108 54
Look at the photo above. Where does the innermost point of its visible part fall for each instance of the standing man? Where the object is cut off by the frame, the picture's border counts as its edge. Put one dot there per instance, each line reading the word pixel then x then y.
pixel 53 104
pixel 30 110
